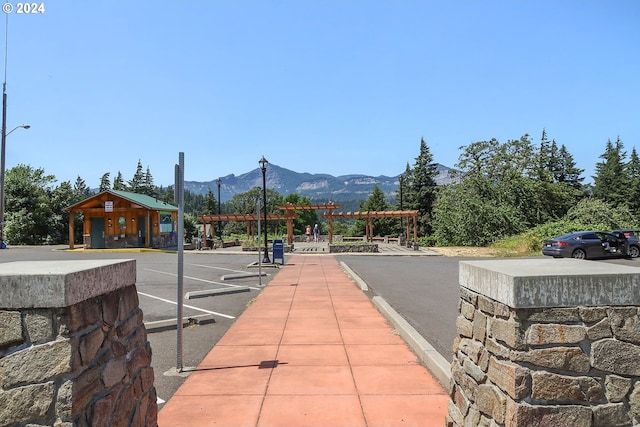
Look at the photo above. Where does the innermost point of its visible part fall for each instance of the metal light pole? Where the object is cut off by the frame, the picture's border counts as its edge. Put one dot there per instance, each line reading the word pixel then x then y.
pixel 4 130
pixel 179 198
pixel 2 159
pixel 401 178
pixel 263 166
pixel 219 222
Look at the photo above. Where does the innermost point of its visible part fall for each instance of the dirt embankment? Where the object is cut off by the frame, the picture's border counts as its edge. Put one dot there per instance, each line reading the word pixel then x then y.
pixel 467 251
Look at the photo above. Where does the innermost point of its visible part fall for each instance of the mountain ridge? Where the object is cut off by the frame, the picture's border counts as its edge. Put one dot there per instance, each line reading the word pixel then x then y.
pixel 317 187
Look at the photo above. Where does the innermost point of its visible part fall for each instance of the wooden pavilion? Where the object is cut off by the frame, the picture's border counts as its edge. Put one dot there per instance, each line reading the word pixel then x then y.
pixel 120 219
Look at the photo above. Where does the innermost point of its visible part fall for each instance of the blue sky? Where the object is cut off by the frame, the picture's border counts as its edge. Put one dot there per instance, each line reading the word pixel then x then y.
pixel 328 86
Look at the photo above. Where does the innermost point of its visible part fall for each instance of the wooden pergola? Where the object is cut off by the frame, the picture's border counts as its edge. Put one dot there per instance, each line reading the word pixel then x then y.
pixel 250 219
pixel 369 216
pixel 290 216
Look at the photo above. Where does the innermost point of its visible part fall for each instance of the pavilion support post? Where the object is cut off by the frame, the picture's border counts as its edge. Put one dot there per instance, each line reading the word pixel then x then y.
pixel 71 231
pixel 148 226
pixel 330 219
pixel 415 228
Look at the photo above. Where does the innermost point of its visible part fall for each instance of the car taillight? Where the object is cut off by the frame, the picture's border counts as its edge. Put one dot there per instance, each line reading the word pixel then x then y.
pixel 561 244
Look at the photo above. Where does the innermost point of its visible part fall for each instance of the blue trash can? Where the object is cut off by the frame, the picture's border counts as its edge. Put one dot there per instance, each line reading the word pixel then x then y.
pixel 278 250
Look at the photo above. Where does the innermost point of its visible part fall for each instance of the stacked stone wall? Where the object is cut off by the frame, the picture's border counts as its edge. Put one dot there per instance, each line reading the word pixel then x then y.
pixel 553 366
pixel 88 364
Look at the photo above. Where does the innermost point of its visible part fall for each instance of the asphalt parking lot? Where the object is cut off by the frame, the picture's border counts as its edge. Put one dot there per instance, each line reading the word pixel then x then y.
pixel 156 281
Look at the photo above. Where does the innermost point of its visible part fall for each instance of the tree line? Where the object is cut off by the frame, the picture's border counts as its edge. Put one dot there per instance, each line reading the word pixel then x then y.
pixel 502 189
pixel 499 189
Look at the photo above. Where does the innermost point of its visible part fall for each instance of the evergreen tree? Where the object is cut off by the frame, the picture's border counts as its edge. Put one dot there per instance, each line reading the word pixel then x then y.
pixel 567 171
pixel 80 190
pixel 210 203
pixel 105 183
pixel 377 202
pixel 634 188
pixel 403 182
pixel 148 186
pixel 80 193
pixel 554 164
pixel 136 184
pixel 543 171
pixel 118 183
pixel 422 189
pixel 612 181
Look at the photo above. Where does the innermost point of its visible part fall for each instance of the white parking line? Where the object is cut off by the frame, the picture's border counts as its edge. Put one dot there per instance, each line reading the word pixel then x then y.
pixel 218 268
pixel 188 306
pixel 204 280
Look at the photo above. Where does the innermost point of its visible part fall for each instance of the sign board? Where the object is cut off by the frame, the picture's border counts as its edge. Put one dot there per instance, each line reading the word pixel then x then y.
pixel 108 206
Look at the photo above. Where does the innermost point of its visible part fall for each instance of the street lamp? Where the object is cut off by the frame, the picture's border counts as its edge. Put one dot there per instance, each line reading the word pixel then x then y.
pixel 263 166
pixel 219 222
pixel 2 163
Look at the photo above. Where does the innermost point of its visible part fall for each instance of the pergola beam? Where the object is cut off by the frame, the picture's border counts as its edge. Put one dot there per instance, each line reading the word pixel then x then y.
pixel 290 208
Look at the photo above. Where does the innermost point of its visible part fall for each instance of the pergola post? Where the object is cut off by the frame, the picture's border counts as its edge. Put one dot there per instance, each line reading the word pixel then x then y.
pixel 289 216
pixel 330 220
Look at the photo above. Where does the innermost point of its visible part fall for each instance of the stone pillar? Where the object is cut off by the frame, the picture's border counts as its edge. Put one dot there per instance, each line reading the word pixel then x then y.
pixel 73 347
pixel 546 342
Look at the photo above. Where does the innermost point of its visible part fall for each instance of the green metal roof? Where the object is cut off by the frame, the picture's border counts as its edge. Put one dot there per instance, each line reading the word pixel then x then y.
pixel 139 199
pixel 144 200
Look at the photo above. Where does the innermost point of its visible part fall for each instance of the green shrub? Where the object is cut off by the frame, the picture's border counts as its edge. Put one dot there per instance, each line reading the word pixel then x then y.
pixel 588 214
pixel 601 215
pixel 428 241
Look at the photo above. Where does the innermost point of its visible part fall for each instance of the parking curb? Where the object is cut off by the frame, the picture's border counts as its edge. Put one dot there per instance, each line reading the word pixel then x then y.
pixel 163 325
pixel 363 285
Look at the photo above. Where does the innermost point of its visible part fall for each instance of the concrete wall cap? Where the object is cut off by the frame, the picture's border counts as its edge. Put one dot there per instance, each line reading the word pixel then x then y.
pixel 49 284
pixel 541 283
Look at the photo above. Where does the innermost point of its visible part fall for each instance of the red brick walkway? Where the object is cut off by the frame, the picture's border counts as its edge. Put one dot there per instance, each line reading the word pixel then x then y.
pixel 311 351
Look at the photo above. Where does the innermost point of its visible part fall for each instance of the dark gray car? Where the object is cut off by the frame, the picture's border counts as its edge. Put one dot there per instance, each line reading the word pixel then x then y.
pixel 633 248
pixel 586 244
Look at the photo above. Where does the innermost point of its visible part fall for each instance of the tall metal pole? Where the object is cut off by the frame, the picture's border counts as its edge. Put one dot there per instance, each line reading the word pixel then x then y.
pixel 4 131
pixel 219 222
pixel 179 198
pixel 401 221
pixel 4 128
pixel 2 161
pixel 263 165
